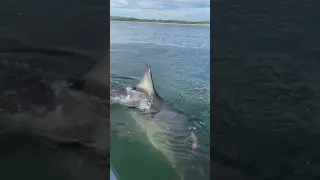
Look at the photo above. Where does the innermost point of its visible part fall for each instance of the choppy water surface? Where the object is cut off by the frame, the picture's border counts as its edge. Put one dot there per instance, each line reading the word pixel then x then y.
pixel 179 58
pixel 266 90
pixel 49 130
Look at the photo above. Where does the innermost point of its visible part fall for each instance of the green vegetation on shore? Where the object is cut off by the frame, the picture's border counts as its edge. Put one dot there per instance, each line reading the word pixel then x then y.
pixel 157 20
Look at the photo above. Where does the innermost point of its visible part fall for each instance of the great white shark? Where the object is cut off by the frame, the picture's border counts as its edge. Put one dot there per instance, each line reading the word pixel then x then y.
pixel 166 129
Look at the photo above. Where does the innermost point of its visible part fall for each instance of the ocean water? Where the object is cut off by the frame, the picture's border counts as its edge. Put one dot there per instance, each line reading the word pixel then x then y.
pixel 47 129
pixel 266 90
pixel 179 57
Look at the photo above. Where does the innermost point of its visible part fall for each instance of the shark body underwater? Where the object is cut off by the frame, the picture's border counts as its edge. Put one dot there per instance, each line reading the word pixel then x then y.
pixel 166 129
pixel 57 112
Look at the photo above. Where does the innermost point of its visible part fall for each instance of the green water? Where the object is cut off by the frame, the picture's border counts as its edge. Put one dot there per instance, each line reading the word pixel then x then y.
pixel 179 58
pixel 130 156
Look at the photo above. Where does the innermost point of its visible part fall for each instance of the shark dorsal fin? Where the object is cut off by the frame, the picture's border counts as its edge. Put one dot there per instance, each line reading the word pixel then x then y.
pixel 97 81
pixel 146 82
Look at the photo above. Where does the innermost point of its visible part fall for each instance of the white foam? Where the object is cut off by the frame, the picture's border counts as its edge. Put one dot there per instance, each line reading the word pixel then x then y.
pixel 133 98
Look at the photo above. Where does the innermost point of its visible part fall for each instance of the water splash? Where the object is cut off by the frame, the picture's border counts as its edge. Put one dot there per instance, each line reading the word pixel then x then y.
pixel 132 98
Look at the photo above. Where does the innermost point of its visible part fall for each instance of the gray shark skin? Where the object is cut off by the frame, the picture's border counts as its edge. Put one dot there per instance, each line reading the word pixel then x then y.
pixel 158 104
pixel 166 129
pixel 146 85
pixel 68 111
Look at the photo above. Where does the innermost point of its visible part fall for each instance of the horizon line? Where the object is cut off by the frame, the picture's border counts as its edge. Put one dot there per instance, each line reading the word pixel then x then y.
pixel 163 19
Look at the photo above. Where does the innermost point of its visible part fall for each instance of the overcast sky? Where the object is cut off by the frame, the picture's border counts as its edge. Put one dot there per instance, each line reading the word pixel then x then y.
pixel 196 10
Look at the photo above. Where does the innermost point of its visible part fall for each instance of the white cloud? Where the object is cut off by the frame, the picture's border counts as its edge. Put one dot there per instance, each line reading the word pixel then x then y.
pixel 162 9
pixel 118 3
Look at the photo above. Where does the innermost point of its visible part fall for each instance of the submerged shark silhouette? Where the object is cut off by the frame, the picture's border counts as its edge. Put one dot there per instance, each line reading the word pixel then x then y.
pixel 166 129
pixel 146 85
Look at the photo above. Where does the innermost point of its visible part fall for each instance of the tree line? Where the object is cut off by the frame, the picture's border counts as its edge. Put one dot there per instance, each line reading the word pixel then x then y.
pixel 158 20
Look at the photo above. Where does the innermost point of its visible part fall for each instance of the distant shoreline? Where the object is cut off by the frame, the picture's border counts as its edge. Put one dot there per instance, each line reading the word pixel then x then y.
pixel 161 21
